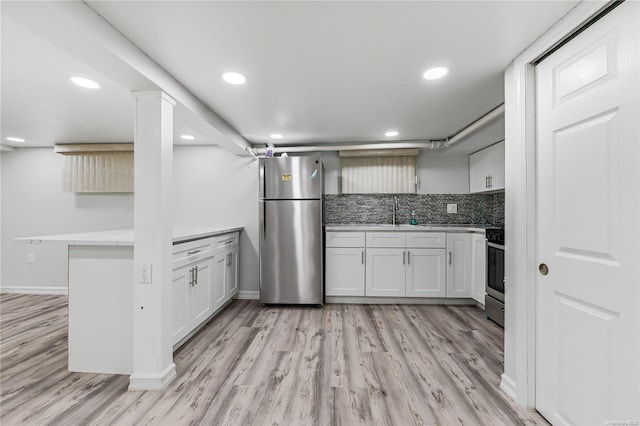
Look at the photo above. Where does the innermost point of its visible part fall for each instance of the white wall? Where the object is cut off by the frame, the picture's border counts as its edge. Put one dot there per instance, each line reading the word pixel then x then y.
pixel 211 187
pixel 438 173
pixel 214 187
pixel 33 203
pixel 441 173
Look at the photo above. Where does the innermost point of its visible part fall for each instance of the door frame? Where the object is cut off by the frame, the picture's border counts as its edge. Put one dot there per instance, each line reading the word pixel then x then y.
pixel 519 377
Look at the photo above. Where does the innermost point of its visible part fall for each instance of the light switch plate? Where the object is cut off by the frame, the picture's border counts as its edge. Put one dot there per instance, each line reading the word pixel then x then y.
pixel 452 208
pixel 144 273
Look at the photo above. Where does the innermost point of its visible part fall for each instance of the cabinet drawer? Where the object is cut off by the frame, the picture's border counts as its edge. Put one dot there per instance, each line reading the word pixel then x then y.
pixel 426 239
pixel 385 239
pixel 192 251
pixel 224 241
pixel 345 239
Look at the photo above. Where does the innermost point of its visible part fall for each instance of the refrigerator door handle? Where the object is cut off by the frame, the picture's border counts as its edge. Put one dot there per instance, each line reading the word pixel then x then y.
pixel 262 224
pixel 261 178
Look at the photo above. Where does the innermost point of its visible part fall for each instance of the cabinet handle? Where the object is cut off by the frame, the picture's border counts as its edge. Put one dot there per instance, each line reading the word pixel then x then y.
pixel 189 253
pixel 228 241
pixel 191 277
pixel 363 257
pixel 486 182
pixel 408 257
pixel 228 258
pixel 450 258
pixel 196 275
pixel 403 257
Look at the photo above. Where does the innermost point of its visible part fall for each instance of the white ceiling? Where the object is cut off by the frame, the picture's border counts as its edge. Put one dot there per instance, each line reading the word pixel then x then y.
pixel 317 71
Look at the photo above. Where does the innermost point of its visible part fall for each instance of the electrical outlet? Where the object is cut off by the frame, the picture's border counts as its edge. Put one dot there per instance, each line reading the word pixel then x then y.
pixel 144 273
pixel 31 258
pixel 452 208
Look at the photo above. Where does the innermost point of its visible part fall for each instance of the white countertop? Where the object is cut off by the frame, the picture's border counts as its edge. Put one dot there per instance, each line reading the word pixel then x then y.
pixel 124 237
pixel 406 228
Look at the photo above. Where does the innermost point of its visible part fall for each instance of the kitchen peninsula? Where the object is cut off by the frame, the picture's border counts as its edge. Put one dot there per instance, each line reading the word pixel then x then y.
pixel 101 280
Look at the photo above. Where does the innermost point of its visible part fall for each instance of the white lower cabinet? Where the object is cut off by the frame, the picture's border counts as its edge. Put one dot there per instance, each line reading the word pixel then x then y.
pixel 226 274
pixel 405 264
pixel 479 266
pixel 386 272
pixel 233 278
pixel 344 264
pixel 205 277
pixel 344 271
pixel 426 273
pixel 192 297
pixel 219 279
pixel 459 269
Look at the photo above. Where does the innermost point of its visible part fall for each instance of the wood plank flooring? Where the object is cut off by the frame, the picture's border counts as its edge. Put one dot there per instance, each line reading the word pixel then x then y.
pixel 254 365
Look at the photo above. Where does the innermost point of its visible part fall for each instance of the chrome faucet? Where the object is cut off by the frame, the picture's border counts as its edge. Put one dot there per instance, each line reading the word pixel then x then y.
pixel 395 209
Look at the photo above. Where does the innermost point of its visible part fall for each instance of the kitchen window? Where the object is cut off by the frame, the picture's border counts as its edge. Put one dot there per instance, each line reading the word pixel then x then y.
pixel 379 171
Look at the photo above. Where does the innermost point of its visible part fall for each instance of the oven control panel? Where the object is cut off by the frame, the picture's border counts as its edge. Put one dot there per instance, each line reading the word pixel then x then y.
pixel 495 236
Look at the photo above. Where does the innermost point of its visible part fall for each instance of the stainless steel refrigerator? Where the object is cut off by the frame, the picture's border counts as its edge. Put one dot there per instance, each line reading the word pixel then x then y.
pixel 291 230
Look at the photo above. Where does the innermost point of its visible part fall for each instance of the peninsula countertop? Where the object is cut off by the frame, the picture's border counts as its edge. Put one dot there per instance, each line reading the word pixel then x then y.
pixel 125 237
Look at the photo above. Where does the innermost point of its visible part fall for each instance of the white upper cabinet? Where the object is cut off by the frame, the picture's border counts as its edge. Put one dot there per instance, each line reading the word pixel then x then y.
pixel 486 169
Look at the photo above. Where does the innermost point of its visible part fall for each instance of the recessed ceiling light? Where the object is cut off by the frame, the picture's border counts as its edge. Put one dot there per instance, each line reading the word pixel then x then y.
pixel 391 133
pixel 84 82
pixel 276 136
pixel 435 73
pixel 187 137
pixel 234 78
pixel 13 139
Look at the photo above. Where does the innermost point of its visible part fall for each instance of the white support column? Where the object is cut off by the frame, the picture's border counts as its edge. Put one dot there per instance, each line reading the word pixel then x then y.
pixel 153 367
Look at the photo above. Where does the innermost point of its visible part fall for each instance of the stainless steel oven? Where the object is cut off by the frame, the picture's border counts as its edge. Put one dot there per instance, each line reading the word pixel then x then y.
pixel 494 301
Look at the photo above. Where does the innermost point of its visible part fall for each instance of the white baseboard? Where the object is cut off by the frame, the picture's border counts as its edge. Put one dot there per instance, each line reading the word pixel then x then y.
pixel 248 294
pixel 152 382
pixel 364 300
pixel 508 386
pixel 16 289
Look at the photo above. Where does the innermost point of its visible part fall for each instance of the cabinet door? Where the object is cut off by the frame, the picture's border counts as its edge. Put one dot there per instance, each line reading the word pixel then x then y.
pixel 426 273
pixel 232 273
pixel 344 272
pixel 479 268
pixel 219 279
pixel 497 178
pixel 385 272
pixel 200 297
pixel 459 265
pixel 179 301
pixel 480 168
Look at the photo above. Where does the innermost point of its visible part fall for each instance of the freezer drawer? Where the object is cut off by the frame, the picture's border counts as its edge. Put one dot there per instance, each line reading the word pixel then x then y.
pixel 291 178
pixel 291 252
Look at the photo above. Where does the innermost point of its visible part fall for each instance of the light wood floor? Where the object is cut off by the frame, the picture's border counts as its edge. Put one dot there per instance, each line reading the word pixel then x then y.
pixel 342 364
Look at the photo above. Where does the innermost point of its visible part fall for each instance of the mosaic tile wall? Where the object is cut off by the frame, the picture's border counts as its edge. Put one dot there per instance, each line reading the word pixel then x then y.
pixel 481 209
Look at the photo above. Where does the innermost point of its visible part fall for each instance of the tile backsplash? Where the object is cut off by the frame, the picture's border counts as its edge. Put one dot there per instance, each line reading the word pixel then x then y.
pixel 483 209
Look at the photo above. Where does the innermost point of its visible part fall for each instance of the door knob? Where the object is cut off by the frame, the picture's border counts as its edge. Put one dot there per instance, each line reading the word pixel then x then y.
pixel 543 268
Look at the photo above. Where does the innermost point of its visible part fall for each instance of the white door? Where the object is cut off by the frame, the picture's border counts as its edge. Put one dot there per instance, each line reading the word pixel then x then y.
pixel 426 273
pixel 385 272
pixel 588 242
pixel 344 271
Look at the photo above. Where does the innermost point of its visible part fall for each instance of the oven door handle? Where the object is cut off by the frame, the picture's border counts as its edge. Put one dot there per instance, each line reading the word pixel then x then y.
pixel 495 246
